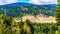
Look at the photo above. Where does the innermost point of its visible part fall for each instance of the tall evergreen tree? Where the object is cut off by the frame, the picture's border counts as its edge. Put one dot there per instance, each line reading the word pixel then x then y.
pixel 58 13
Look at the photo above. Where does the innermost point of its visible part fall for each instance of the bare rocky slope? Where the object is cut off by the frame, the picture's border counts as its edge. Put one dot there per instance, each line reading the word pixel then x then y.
pixel 41 18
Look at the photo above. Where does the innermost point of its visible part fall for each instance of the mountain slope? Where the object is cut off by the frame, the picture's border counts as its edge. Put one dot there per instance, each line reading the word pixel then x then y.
pixel 20 9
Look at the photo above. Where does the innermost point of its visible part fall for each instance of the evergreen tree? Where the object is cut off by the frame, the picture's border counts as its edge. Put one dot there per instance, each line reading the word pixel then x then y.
pixel 58 14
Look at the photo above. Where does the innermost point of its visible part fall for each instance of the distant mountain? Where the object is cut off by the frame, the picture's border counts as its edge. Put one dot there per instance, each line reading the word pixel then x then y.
pixel 19 4
pixel 26 4
pixel 19 9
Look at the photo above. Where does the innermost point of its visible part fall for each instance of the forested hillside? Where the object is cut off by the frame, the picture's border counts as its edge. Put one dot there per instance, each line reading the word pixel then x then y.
pixel 20 9
pixel 9 25
pixel 25 18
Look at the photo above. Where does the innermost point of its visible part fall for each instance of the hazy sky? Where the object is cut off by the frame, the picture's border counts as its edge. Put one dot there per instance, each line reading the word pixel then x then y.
pixel 38 2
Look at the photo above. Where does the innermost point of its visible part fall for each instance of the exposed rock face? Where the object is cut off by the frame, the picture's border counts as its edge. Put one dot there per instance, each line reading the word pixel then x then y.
pixel 41 18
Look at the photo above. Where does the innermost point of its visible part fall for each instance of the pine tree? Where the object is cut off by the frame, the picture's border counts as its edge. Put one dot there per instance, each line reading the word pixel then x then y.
pixel 58 14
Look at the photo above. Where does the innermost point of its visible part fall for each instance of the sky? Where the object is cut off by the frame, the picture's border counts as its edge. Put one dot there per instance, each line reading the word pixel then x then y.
pixel 37 2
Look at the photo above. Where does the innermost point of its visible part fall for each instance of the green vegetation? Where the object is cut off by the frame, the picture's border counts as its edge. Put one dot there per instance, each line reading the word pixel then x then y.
pixel 19 11
pixel 9 26
pixel 58 16
pixel 58 13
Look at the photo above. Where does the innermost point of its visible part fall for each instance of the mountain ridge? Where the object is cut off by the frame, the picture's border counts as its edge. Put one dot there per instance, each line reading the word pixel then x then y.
pixel 25 4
